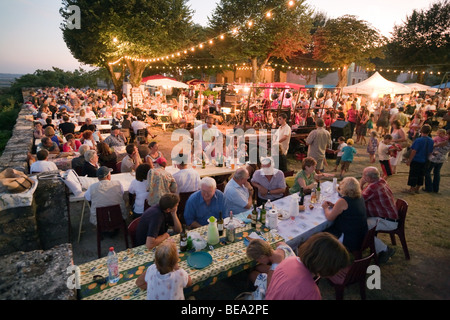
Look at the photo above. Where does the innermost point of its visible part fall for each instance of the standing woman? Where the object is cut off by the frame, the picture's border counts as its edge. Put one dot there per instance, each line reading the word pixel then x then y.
pixel 398 137
pixel 348 214
pixel 383 121
pixel 361 132
pixel 437 159
pixel 352 115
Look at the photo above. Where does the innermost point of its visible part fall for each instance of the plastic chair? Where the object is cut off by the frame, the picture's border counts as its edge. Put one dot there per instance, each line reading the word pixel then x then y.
pixel 132 227
pixel 110 219
pixel 355 273
pixel 368 242
pixel 402 209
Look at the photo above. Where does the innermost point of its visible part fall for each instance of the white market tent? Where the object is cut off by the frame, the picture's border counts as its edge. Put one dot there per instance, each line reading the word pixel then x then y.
pixel 166 83
pixel 376 84
pixel 417 86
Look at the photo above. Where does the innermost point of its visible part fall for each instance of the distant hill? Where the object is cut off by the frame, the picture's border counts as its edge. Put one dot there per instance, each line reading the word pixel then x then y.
pixel 7 78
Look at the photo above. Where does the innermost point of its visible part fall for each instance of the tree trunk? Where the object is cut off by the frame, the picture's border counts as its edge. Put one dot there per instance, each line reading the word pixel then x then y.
pixel 117 82
pixel 136 70
pixel 342 76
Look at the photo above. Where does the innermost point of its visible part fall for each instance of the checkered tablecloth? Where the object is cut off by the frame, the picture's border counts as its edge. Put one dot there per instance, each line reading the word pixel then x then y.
pixel 228 259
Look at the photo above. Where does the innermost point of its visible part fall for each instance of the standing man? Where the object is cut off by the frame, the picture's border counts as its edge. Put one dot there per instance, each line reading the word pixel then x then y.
pixel 318 140
pixel 284 138
pixel 421 148
pixel 238 192
pixel 155 222
pixel 380 207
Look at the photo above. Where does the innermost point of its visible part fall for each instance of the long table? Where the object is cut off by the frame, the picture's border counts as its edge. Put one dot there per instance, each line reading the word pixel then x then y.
pixel 209 171
pixel 228 260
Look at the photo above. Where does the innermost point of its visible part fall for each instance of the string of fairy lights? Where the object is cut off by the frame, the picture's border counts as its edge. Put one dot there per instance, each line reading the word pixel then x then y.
pixel 244 66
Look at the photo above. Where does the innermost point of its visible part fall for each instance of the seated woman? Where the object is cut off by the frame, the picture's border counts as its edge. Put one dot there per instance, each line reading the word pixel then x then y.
pixel 88 138
pixel 38 131
pixel 138 190
pixel 349 215
pixel 107 157
pixel 153 155
pixel 307 177
pixel 268 259
pixel 50 132
pixel 72 144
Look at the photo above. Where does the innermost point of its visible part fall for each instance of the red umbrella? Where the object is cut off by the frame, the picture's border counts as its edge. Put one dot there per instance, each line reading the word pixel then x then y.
pixel 193 82
pixel 155 77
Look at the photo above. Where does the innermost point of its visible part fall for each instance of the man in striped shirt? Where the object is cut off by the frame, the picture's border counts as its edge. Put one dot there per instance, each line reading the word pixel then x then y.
pixel 381 209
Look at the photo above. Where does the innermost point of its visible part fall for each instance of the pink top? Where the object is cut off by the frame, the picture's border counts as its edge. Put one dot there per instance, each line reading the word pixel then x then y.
pixel 291 280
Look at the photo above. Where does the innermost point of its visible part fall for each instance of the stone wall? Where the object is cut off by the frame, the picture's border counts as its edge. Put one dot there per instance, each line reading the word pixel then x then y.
pixel 34 248
pixel 37 275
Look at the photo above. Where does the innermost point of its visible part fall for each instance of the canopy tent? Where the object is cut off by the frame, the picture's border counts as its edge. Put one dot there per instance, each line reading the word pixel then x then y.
pixel 320 86
pixel 417 86
pixel 442 86
pixel 155 77
pixel 193 82
pixel 376 84
pixel 283 85
pixel 166 83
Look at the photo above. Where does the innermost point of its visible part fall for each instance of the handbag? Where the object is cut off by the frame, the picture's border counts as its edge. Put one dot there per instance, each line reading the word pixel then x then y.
pixel 14 181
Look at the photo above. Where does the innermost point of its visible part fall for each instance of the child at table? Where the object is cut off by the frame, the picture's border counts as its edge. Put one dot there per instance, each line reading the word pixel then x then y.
pixel 165 280
pixel 268 259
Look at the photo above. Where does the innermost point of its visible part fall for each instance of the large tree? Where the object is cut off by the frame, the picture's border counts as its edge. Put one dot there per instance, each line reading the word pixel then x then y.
pixel 133 30
pixel 423 40
pixel 252 35
pixel 346 40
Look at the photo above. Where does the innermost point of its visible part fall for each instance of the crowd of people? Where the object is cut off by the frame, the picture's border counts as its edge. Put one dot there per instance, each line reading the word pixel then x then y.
pixel 395 129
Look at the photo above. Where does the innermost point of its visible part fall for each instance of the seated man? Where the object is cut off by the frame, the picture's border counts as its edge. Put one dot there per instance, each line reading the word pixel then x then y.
pixel 48 144
pixel 91 164
pixel 88 126
pixel 269 181
pixel 381 208
pixel 238 192
pixel 105 193
pixel 67 126
pixel 132 160
pixel 159 182
pixel 187 179
pixel 116 139
pixel 78 162
pixel 155 221
pixel 202 204
pixel 42 164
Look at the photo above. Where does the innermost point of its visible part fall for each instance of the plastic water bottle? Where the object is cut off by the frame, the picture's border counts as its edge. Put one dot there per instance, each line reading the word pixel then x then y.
pixel 269 205
pixel 113 266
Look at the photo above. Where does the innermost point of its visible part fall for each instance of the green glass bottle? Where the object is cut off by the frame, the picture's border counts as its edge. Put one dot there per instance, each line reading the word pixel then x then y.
pixel 263 214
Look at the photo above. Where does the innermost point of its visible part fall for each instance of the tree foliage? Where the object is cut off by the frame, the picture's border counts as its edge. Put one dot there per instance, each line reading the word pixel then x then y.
pixel 346 40
pixel 138 28
pixel 283 34
pixel 423 39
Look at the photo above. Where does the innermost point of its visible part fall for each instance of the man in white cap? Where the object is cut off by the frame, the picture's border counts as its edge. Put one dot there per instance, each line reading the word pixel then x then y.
pixel 269 181
pixel 105 193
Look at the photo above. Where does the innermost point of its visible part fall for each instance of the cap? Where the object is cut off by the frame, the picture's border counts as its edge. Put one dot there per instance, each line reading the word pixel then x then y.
pixel 161 160
pixel 266 160
pixel 114 128
pixel 103 171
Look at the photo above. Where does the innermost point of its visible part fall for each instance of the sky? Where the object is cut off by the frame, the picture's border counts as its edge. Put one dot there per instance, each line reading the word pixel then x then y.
pixel 31 39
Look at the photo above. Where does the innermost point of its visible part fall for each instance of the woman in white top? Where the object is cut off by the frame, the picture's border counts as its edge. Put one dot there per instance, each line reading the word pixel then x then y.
pixel 138 187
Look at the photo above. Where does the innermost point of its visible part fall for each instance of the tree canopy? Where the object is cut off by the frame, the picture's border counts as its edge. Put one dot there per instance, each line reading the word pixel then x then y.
pixel 260 30
pixel 346 40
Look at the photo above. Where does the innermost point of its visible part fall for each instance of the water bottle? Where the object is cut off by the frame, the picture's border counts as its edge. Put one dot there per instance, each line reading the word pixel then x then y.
pixel 269 205
pixel 113 266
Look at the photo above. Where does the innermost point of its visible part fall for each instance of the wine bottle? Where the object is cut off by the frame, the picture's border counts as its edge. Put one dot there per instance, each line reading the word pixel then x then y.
pixel 183 239
pixel 220 224
pixel 302 197
pixel 254 215
pixel 318 191
pixel 263 214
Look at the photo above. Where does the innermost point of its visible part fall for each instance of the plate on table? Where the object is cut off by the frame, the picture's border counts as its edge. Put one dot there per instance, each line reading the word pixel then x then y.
pixel 199 259
pixel 283 215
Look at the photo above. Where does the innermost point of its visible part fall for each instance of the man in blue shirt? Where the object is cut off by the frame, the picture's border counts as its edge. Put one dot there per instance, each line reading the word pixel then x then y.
pixel 238 192
pixel 421 148
pixel 202 204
